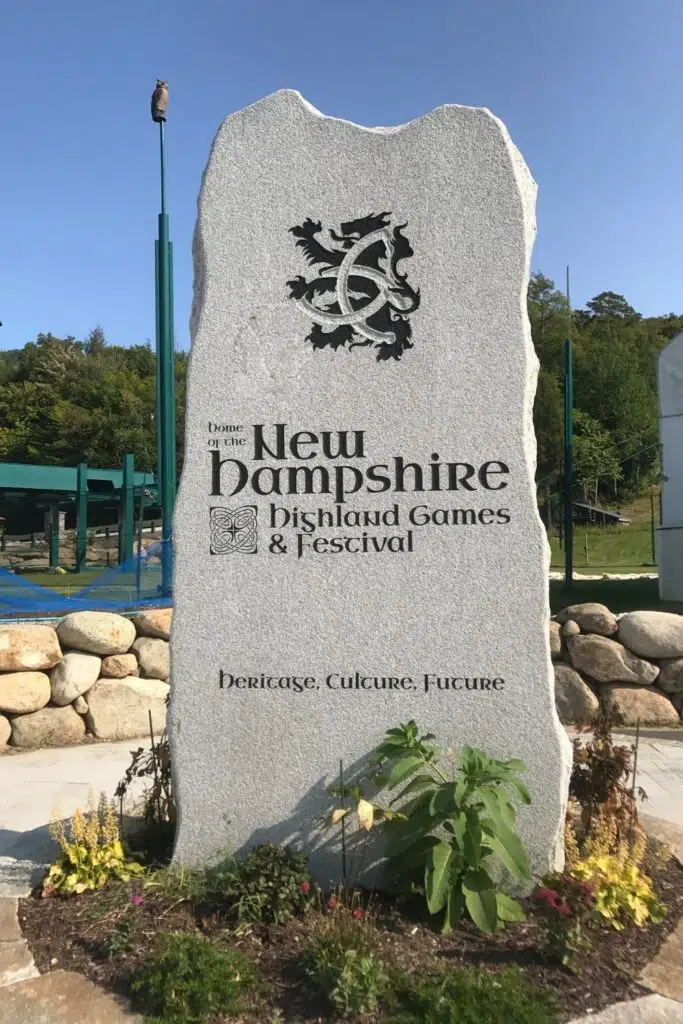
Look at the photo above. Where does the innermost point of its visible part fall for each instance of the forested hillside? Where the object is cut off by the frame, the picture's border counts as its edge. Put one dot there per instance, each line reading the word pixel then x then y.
pixel 616 451
pixel 63 400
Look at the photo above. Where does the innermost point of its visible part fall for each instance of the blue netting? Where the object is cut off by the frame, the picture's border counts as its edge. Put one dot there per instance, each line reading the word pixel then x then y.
pixel 134 584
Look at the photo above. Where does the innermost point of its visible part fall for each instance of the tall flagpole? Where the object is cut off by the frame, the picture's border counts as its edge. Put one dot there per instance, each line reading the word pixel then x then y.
pixel 568 449
pixel 165 396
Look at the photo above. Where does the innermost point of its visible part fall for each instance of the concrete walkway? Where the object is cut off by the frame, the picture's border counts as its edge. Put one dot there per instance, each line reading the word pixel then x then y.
pixel 39 786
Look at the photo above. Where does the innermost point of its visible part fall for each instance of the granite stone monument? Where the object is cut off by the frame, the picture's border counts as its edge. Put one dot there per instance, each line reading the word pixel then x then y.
pixel 356 537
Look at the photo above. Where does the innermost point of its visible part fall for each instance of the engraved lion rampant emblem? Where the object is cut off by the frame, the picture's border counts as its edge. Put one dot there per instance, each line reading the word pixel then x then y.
pixel 360 296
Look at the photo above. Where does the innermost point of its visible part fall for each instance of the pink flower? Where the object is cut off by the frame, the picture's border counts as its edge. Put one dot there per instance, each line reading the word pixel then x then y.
pixel 136 899
pixel 358 915
pixel 563 908
pixel 331 903
pixel 305 886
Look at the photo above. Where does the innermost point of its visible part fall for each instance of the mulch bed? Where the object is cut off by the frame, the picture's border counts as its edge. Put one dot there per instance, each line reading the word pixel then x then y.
pixel 71 933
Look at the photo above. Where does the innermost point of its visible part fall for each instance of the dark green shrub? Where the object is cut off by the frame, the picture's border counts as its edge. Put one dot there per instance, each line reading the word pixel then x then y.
pixel 271 884
pixel 471 996
pixel 188 977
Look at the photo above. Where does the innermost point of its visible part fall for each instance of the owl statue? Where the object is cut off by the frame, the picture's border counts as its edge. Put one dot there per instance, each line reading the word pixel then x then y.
pixel 159 101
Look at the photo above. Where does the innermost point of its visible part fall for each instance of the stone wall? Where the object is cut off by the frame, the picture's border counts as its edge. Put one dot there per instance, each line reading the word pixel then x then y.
pixel 93 673
pixel 634 662
pixel 98 674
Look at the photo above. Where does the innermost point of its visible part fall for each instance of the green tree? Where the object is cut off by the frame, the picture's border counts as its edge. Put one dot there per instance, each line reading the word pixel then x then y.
pixel 595 455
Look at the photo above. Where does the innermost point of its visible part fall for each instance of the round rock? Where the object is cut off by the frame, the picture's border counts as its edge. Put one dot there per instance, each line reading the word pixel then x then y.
pixel 153 655
pixel 591 617
pixel 118 709
pixel 630 704
pixel 608 662
pixel 73 675
pixel 671 675
pixel 118 666
pixel 5 731
pixel 575 701
pixel 555 639
pixel 49 727
pixel 96 632
pixel 652 634
pixel 24 692
pixel 570 628
pixel 32 647
pixel 154 622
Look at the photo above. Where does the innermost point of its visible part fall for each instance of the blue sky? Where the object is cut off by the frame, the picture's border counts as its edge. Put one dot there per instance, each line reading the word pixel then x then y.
pixel 590 90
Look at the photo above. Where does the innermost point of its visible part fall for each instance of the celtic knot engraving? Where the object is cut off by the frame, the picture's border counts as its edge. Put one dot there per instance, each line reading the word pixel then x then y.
pixel 233 530
pixel 371 297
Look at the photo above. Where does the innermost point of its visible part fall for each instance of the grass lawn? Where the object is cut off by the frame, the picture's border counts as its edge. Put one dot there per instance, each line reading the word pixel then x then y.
pixel 608 548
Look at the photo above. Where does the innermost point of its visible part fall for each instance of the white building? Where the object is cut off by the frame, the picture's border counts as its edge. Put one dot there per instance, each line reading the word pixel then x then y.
pixel 670 378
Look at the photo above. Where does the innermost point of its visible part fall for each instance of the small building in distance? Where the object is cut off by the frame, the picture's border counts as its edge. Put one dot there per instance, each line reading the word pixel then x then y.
pixel 591 515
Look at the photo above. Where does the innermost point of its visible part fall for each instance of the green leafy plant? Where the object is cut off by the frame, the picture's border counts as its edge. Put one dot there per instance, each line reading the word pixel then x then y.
pixel 564 903
pixel 340 961
pixel 91 853
pixel 471 996
pixel 188 977
pixel 451 832
pixel 271 884
pixel 121 940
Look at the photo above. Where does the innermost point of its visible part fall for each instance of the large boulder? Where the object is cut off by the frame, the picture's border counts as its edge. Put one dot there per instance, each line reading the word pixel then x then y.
pixel 118 709
pixel 575 701
pixel 606 661
pixel 49 727
pixel 118 666
pixel 652 634
pixel 5 731
pixel 96 632
pixel 631 704
pixel 73 675
pixel 671 675
pixel 154 622
pixel 555 639
pixel 24 692
pixel 29 648
pixel 153 656
pixel 591 617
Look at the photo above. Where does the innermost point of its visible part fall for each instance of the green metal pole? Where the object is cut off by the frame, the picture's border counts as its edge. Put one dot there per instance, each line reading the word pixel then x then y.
pixel 82 516
pixel 165 380
pixel 138 561
pixel 127 508
pixel 568 451
pixel 52 523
